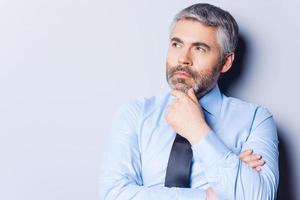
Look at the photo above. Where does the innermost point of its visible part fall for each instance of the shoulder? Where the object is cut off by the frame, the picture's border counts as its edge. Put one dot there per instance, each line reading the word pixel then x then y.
pixel 238 104
pixel 243 108
pixel 143 106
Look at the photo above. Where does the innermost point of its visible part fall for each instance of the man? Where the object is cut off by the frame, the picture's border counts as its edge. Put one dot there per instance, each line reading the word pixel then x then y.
pixel 187 143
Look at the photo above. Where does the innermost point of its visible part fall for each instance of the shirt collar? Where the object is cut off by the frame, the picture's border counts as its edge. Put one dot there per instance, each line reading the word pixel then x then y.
pixel 212 101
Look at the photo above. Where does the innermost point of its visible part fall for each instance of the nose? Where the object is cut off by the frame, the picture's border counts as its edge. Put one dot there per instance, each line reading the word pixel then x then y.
pixel 185 58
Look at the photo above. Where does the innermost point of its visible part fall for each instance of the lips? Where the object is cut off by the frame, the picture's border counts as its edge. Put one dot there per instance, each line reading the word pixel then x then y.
pixel 182 73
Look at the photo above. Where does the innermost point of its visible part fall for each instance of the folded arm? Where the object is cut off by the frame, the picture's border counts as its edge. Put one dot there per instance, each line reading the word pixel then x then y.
pixel 228 176
pixel 120 169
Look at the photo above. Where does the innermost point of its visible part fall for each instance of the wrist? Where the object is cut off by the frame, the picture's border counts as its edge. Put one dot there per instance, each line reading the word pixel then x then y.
pixel 201 131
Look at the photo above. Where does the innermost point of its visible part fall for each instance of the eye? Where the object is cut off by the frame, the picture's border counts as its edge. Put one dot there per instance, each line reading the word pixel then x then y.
pixel 200 48
pixel 175 44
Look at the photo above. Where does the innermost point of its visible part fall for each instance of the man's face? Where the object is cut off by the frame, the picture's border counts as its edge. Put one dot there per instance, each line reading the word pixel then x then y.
pixel 193 59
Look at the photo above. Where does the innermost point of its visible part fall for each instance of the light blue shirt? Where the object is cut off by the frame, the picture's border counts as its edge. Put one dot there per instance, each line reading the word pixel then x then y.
pixel 136 154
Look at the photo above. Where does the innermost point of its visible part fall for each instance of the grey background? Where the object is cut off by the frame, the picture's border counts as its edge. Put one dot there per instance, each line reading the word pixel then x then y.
pixel 67 65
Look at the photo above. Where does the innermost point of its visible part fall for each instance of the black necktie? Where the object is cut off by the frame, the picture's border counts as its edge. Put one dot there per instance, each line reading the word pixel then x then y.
pixel 179 165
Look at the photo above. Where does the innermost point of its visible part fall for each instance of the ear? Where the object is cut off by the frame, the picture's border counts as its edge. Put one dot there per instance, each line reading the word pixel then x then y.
pixel 227 62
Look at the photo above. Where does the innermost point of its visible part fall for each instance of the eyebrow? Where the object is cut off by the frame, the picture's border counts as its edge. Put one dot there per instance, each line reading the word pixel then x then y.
pixel 176 39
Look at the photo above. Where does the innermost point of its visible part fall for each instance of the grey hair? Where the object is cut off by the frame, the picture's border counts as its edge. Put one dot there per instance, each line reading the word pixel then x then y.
pixel 227 34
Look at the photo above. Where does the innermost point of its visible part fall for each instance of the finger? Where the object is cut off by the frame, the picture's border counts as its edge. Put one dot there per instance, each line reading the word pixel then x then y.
pixel 211 194
pixel 245 153
pixel 258 168
pixel 192 95
pixel 256 163
pixel 251 157
pixel 178 94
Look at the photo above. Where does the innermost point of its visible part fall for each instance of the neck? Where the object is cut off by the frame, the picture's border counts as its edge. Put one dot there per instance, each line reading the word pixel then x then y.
pixel 199 94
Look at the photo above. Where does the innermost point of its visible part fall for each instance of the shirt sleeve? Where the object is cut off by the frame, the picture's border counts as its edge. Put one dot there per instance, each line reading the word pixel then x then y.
pixel 230 177
pixel 120 167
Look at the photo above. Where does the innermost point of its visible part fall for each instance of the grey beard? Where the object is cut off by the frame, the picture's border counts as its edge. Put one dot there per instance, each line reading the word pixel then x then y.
pixel 203 82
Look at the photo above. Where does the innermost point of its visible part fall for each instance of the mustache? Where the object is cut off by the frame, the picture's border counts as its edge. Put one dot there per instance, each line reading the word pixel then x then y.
pixel 177 68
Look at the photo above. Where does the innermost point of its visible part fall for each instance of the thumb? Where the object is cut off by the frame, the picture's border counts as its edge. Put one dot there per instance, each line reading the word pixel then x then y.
pixel 192 95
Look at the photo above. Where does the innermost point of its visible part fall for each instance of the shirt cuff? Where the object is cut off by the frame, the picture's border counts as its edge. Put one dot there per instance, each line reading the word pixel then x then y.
pixel 191 194
pixel 209 150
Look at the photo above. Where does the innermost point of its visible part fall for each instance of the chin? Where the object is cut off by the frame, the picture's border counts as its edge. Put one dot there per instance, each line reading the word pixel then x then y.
pixel 182 87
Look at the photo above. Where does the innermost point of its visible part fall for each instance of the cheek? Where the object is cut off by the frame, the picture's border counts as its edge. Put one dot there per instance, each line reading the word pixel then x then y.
pixel 205 61
pixel 201 59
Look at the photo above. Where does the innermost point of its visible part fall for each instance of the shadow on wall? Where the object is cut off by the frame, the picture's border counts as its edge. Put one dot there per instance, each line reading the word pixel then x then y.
pixel 238 67
pixel 285 189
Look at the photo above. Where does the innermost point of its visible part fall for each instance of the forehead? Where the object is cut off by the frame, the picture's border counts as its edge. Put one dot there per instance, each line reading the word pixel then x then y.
pixel 190 31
